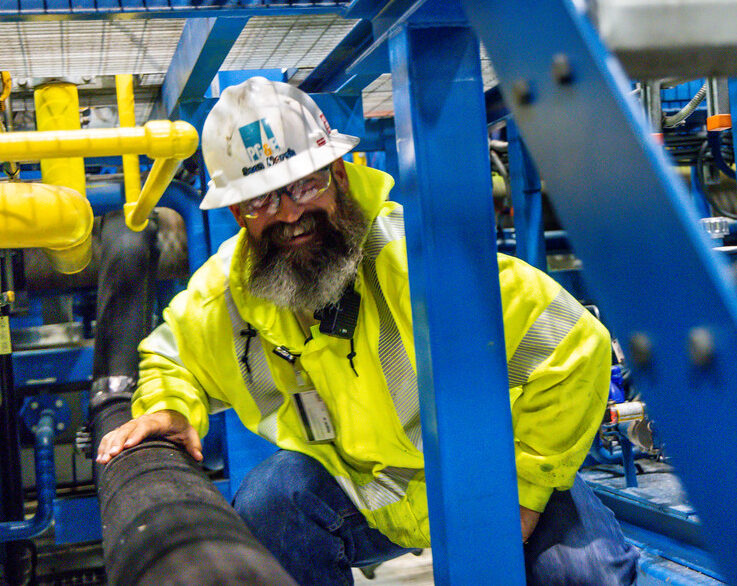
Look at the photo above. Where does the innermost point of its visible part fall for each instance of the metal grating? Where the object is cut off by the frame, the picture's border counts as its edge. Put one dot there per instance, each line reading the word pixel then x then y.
pixel 377 98
pixel 88 47
pixel 25 9
pixel 92 51
pixel 287 41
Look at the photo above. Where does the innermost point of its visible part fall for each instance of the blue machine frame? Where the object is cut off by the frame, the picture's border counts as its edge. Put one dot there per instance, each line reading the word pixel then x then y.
pixel 610 183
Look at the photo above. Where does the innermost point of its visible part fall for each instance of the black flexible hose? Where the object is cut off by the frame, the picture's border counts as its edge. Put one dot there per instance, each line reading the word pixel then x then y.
pixel 702 183
pixel 163 521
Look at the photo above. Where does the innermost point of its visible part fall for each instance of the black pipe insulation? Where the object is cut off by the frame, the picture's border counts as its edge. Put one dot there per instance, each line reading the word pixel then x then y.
pixel 163 521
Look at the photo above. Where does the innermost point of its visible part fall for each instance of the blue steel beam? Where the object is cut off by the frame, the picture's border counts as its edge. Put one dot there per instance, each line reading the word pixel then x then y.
pixel 527 201
pixel 445 187
pixel 375 60
pixel 202 48
pixel 669 295
pixel 21 10
pixel 330 75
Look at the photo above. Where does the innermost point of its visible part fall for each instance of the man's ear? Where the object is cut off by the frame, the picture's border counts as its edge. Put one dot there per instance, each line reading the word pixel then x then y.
pixel 340 176
pixel 235 209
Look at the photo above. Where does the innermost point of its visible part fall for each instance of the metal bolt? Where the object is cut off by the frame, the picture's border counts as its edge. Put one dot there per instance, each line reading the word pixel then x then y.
pixel 522 92
pixel 641 348
pixel 701 346
pixel 59 403
pixel 562 72
pixel 60 426
pixel 34 405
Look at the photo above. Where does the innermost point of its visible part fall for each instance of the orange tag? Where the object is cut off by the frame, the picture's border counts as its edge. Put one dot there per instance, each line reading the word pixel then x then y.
pixel 719 122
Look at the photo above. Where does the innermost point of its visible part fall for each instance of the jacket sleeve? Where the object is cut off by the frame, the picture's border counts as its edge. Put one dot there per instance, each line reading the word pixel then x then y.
pixel 175 366
pixel 165 383
pixel 559 370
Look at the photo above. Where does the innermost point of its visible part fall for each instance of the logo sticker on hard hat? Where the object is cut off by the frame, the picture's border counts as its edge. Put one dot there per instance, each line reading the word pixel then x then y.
pixel 262 148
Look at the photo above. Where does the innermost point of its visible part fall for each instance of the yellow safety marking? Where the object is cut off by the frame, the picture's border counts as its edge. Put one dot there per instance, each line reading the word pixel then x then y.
pixel 5 346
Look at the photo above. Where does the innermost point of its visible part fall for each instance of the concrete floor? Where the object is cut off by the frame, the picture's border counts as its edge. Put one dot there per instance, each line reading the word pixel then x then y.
pixel 408 569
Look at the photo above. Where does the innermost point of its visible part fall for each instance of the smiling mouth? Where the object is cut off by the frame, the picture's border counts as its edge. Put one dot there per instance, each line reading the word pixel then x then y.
pixel 298 236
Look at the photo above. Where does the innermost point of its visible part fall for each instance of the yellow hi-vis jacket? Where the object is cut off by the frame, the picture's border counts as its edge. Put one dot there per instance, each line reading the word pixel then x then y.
pixel 204 358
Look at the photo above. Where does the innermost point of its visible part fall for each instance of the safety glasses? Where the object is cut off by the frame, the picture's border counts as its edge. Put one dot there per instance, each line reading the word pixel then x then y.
pixel 300 192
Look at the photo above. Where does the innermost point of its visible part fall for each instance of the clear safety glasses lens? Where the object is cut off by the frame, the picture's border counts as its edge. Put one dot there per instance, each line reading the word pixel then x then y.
pixel 301 191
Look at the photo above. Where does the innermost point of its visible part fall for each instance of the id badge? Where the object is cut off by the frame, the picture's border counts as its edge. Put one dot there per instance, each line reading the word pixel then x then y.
pixel 314 415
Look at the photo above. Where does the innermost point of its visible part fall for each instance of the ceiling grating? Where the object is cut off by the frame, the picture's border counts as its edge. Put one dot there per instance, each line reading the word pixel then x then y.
pixel 287 41
pixel 91 52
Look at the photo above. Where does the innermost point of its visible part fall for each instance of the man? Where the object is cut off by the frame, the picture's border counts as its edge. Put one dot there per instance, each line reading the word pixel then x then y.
pixel 302 324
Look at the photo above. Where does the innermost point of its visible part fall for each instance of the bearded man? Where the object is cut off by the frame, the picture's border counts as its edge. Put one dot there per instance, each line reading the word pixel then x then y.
pixel 302 324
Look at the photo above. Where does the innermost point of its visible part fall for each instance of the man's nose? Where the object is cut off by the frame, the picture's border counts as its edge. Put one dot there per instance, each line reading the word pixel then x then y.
pixel 288 210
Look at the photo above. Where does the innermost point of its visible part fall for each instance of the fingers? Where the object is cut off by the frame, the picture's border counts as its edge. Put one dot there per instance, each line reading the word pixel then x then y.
pixel 113 442
pixel 168 424
pixel 192 443
pixel 128 435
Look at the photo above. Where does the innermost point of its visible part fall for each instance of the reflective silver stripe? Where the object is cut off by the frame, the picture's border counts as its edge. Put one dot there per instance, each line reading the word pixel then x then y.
pixel 398 372
pixel 388 487
pixel 162 341
pixel 225 254
pixel 259 382
pixel 543 337
pixel 216 405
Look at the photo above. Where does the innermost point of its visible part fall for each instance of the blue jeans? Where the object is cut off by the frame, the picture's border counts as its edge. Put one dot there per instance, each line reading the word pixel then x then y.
pixel 298 511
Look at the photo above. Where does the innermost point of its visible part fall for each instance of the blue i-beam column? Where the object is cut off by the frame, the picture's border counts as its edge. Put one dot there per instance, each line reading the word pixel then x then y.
pixel 445 186
pixel 527 201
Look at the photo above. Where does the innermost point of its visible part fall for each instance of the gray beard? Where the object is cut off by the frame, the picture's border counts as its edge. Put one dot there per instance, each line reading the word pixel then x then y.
pixel 316 274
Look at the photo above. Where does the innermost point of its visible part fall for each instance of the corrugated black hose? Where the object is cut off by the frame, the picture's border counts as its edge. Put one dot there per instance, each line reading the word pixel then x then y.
pixel 163 521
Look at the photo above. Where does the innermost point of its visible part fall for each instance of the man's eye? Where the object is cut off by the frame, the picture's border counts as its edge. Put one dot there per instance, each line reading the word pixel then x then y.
pixel 258 202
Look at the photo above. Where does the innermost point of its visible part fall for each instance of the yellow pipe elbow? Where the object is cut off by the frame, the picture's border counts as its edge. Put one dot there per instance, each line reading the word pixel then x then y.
pixel 55 218
pixel 136 213
pixel 170 140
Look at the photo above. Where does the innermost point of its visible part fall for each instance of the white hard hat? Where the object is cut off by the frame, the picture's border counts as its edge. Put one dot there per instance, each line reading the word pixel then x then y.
pixel 262 135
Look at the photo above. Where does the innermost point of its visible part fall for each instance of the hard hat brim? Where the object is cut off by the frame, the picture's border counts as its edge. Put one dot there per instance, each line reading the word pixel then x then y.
pixel 280 174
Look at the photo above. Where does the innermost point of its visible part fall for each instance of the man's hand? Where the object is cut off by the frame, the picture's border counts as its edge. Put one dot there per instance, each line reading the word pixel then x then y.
pixel 529 519
pixel 166 424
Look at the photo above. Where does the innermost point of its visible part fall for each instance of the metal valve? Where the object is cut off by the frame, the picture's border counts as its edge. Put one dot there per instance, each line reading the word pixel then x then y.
pixel 83 442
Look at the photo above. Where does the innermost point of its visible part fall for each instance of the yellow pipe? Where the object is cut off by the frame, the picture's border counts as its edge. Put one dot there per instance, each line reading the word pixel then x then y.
pixel 57 109
pixel 53 217
pixel 136 213
pixel 158 139
pixel 127 115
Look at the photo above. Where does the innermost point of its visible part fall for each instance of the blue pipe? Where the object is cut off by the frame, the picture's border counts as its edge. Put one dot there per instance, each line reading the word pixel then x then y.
pixel 602 456
pixel 45 484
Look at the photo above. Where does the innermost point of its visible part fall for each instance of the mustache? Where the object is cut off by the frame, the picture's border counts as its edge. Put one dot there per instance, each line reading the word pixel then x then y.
pixel 282 232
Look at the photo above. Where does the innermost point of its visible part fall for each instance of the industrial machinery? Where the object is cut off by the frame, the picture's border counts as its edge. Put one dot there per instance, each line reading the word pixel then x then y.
pixel 593 140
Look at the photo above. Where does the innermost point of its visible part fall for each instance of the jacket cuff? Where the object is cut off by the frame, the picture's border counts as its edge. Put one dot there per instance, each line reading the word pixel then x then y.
pixel 175 404
pixel 533 496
